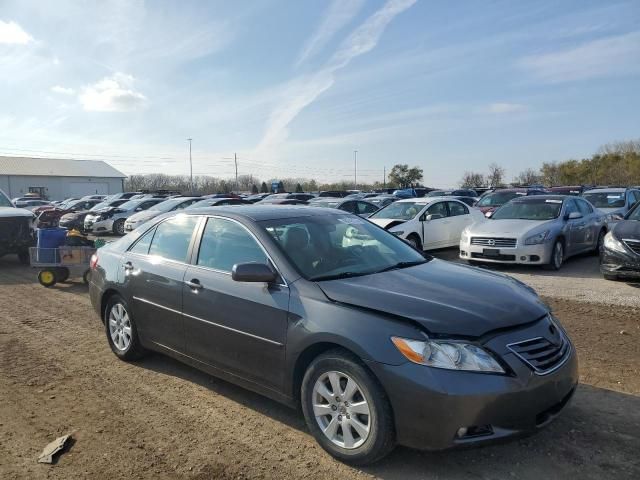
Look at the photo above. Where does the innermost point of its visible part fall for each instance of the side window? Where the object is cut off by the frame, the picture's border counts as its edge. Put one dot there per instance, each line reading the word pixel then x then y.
pixel 364 208
pixel 456 208
pixel 439 208
pixel 184 205
pixel 172 238
pixel 146 205
pixel 349 207
pixel 143 243
pixel 636 194
pixel 570 206
pixel 225 243
pixel 584 207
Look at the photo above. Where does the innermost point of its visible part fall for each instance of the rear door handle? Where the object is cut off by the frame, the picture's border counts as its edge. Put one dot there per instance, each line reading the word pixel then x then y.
pixel 128 266
pixel 194 284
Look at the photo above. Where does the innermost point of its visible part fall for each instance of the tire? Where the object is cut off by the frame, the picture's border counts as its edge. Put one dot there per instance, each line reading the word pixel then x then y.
pixel 62 274
pixel 86 276
pixel 557 256
pixel 118 227
pixel 121 330
pixel 47 278
pixel 609 276
pixel 23 257
pixel 599 242
pixel 371 436
pixel 415 242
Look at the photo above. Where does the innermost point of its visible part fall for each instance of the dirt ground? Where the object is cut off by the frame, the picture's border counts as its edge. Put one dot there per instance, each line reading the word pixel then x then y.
pixel 160 419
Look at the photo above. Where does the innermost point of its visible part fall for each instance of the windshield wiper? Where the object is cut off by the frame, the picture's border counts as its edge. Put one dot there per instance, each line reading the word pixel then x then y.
pixel 338 276
pixel 400 265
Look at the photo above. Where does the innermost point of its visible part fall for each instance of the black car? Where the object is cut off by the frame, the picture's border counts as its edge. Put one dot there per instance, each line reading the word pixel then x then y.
pixel 75 220
pixel 362 208
pixel 379 344
pixel 276 197
pixel 620 255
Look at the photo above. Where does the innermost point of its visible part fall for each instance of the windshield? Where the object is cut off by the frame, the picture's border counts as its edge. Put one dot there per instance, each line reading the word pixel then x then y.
pixel 208 202
pixel 4 201
pixel 538 209
pixel 606 199
pixel 168 205
pixel 339 246
pixel 130 205
pixel 435 193
pixel 106 204
pixel 399 211
pixel 498 199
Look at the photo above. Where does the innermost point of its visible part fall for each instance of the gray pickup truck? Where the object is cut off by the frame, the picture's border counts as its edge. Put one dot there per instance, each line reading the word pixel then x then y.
pixel 16 229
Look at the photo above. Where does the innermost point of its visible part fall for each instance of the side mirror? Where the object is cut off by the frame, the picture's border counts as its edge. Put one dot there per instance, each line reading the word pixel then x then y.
pixel 434 216
pixel 253 272
pixel 139 209
pixel 573 216
pixel 488 214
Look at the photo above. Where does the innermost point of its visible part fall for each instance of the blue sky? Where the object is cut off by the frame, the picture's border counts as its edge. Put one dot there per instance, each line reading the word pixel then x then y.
pixel 295 86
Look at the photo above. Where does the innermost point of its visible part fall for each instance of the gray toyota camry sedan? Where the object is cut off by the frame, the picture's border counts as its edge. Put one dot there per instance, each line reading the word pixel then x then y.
pixel 379 344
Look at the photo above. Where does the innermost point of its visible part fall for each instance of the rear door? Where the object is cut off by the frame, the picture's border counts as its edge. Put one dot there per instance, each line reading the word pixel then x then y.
pixel 459 217
pixel 576 228
pixel 153 271
pixel 238 327
pixel 592 225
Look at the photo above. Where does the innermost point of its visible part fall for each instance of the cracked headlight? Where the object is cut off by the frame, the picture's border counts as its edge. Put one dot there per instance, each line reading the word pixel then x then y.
pixel 449 354
pixel 612 243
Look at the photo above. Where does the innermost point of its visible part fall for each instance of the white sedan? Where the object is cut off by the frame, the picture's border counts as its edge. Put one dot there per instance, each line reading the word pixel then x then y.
pixel 429 222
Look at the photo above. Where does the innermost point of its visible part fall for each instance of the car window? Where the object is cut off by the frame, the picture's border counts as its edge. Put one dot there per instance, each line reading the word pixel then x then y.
pixel 570 207
pixel 225 243
pixel 146 205
pixel 348 207
pixel 143 243
pixel 365 207
pixel 584 207
pixel 439 208
pixel 172 238
pixel 185 204
pixel 456 208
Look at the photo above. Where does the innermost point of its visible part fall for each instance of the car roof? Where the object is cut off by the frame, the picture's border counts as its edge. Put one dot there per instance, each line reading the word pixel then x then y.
pixel 605 189
pixel 533 198
pixel 424 200
pixel 259 213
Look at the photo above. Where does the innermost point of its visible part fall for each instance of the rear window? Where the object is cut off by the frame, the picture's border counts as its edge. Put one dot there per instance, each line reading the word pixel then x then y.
pixel 4 201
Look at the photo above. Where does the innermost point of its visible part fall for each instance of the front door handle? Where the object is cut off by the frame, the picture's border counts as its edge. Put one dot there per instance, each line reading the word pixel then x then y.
pixel 128 266
pixel 194 284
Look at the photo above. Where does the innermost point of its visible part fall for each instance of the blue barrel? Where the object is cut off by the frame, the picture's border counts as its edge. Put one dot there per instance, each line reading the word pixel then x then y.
pixel 50 238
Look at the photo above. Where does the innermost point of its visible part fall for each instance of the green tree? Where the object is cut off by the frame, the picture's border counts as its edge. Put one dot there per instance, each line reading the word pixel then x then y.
pixel 254 189
pixel 299 188
pixel 403 176
pixel 264 188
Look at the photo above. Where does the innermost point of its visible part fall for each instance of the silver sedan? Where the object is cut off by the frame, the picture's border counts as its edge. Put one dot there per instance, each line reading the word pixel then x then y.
pixel 535 230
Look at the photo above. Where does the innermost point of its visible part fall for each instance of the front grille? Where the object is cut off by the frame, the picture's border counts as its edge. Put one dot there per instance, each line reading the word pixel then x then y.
pixel 494 242
pixel 541 354
pixel 14 230
pixel 633 245
pixel 501 257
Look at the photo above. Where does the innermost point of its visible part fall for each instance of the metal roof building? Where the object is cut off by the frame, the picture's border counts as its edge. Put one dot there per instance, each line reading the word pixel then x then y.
pixel 57 179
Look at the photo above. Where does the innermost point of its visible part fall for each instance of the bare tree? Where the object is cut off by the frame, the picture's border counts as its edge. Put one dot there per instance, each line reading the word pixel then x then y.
pixel 528 177
pixel 472 180
pixel 496 175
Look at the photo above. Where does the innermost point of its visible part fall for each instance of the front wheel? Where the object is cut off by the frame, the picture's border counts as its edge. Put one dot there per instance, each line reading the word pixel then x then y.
pixel 600 242
pixel 118 227
pixel 414 241
pixel 47 278
pixel 121 330
pixel 346 409
pixel 557 256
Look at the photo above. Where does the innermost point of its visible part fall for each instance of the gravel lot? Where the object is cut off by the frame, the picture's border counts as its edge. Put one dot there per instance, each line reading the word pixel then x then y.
pixel 160 419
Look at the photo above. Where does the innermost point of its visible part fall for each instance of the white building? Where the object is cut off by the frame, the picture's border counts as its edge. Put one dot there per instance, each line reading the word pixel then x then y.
pixel 58 179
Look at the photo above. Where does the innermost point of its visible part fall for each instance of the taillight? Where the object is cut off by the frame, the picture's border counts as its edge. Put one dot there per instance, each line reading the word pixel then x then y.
pixel 93 263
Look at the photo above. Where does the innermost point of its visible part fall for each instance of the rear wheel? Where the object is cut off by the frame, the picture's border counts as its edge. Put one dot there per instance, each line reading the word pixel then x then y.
pixel 609 276
pixel 121 330
pixel 118 227
pixel 346 409
pixel 557 256
pixel 600 242
pixel 62 274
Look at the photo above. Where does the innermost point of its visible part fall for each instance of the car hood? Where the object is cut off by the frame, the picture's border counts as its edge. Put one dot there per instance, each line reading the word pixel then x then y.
pixel 627 229
pixel 11 212
pixel 443 297
pixel 386 222
pixel 506 228
pixel 145 215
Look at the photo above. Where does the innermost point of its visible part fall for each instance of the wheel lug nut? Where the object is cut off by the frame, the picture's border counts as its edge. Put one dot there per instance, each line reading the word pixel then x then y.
pixel 348 416
pixel 334 407
pixel 339 418
pixel 337 398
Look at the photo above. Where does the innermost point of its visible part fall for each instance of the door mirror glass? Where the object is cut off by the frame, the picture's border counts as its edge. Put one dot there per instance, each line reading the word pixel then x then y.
pixel 434 216
pixel 574 216
pixel 253 272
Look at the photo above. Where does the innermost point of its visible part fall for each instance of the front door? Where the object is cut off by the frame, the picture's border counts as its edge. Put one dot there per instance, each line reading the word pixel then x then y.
pixel 460 217
pixel 236 326
pixel 576 228
pixel 436 232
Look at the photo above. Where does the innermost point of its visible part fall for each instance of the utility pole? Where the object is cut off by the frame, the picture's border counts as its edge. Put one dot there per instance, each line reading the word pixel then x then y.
pixel 190 167
pixel 235 159
pixel 355 169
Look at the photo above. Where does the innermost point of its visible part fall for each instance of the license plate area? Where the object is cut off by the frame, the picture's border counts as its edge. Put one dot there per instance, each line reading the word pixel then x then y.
pixel 491 252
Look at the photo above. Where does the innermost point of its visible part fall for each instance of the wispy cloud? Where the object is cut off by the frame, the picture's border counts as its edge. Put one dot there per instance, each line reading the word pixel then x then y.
pixel 112 94
pixel 338 15
pixel 614 55
pixel 13 34
pixel 62 90
pixel 505 108
pixel 302 91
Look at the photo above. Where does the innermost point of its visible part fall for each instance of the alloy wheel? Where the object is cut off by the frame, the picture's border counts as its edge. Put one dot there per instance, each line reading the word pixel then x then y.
pixel 120 327
pixel 341 410
pixel 120 227
pixel 558 255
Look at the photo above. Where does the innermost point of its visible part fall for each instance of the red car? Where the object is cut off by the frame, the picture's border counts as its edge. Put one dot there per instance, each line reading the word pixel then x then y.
pixel 48 216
